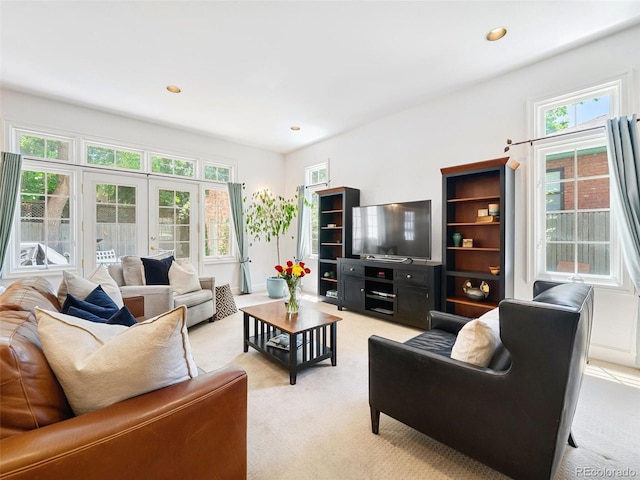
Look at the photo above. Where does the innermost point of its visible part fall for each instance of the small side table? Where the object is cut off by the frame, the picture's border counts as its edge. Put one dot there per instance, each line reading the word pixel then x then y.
pixel 135 306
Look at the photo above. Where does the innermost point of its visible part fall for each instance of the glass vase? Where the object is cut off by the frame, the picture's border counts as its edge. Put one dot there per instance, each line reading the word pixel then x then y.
pixel 293 304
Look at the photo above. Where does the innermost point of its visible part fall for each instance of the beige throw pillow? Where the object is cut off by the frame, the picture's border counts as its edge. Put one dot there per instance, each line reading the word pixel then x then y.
pixel 132 270
pixel 478 339
pixel 81 287
pixel 99 364
pixel 183 277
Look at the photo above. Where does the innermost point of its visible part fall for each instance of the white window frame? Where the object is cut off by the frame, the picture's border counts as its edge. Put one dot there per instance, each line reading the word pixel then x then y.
pixel 614 89
pixel 222 186
pixel 232 256
pixel 77 163
pixel 15 269
pixel 174 159
pixel 311 190
pixel 116 148
pixel 552 143
pixel 18 132
pixel 206 164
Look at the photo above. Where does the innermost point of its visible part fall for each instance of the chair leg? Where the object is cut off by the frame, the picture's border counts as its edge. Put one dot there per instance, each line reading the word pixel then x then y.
pixel 375 420
pixel 572 441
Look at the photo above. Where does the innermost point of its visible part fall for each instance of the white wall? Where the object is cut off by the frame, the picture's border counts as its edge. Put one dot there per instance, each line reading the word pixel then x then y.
pixel 256 168
pixel 399 157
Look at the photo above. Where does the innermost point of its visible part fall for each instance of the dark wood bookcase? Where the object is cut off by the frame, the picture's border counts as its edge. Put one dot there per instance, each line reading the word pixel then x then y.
pixel 466 189
pixel 334 236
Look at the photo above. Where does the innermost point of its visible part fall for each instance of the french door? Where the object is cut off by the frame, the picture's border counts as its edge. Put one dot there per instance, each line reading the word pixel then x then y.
pixel 173 218
pixel 138 216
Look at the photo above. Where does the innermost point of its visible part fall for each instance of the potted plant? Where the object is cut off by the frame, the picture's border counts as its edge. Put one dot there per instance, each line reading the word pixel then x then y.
pixel 268 218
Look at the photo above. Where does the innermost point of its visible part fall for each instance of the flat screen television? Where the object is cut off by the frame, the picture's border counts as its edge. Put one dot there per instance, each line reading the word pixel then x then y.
pixel 393 230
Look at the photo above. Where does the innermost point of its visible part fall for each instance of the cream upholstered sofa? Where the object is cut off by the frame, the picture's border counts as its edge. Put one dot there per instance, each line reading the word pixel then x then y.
pixel 157 299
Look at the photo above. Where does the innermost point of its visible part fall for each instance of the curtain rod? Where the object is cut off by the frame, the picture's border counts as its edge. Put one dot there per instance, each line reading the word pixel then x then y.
pixel 510 143
pixel 326 184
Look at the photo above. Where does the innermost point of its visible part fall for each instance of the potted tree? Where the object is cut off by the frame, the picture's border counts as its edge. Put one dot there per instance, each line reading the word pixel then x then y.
pixel 268 218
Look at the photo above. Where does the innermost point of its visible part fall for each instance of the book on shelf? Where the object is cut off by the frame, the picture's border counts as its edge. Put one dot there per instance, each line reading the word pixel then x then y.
pixel 281 341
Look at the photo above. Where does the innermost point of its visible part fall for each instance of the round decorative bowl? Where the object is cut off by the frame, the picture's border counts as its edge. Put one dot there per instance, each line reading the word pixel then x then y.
pixel 475 294
pixel 494 269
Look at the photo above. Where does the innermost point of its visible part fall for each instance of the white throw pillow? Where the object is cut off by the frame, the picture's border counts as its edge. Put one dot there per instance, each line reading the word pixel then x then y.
pixel 81 287
pixel 478 339
pixel 183 277
pixel 99 364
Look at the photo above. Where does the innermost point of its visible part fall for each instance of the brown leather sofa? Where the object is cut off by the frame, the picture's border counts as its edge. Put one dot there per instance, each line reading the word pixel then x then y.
pixel 193 429
pixel 514 415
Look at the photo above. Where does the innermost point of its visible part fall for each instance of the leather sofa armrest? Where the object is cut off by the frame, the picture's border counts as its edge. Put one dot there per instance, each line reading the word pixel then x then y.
pixel 201 422
pixel 447 321
pixel 209 283
pixel 157 298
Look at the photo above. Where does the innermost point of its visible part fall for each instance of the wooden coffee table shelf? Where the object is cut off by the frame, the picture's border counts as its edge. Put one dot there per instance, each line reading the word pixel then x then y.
pixel 317 330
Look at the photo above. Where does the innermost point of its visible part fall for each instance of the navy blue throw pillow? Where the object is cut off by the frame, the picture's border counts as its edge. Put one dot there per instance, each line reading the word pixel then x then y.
pixel 156 272
pixel 80 313
pixel 101 298
pixel 121 317
pixel 97 303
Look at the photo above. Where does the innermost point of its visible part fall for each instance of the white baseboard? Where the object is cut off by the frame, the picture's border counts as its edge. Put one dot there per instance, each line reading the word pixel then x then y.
pixel 613 355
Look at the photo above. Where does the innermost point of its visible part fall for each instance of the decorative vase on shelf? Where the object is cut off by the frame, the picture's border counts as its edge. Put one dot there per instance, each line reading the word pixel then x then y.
pixel 292 305
pixel 457 238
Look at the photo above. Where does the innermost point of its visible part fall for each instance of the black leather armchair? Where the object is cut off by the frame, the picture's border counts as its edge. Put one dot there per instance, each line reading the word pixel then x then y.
pixel 514 415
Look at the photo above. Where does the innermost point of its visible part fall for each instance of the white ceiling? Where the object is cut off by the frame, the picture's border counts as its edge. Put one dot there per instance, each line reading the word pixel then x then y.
pixel 250 70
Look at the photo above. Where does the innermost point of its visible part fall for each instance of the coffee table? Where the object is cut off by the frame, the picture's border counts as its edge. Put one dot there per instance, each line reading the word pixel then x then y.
pixel 308 327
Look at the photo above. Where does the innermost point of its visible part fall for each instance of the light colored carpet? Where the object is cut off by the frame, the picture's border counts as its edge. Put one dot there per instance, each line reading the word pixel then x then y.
pixel 320 427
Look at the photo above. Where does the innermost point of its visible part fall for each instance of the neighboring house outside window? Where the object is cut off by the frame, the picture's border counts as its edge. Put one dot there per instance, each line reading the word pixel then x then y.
pixel 574 237
pixel 218 242
pixel 316 178
pixel 217 223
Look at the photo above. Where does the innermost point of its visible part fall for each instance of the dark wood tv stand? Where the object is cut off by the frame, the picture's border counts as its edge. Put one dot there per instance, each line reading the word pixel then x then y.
pixel 399 292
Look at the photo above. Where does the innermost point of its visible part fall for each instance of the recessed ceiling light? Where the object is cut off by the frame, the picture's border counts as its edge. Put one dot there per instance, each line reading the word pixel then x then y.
pixel 496 34
pixel 173 89
pixel 295 128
